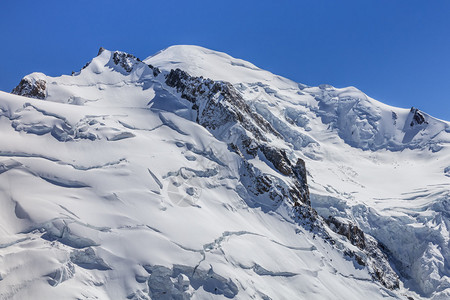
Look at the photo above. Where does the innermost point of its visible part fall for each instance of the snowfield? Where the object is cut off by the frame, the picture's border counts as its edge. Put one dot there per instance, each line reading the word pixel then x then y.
pixel 133 180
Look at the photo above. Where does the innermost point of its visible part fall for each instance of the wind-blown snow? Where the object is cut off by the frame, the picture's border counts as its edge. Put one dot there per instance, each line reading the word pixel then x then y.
pixel 110 189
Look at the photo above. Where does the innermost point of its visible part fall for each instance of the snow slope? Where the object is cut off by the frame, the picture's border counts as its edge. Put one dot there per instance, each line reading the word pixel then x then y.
pixel 396 189
pixel 116 183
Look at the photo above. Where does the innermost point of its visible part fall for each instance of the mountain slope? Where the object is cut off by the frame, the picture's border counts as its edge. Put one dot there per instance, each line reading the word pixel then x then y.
pixel 400 196
pixel 136 180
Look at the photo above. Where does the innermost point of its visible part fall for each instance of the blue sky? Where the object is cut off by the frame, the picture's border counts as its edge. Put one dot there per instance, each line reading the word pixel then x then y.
pixel 395 51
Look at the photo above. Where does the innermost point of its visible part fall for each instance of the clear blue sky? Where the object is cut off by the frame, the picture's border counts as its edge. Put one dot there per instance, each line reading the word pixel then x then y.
pixel 396 51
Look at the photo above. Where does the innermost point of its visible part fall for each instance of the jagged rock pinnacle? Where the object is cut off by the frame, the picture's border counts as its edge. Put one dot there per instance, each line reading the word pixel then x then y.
pixel 100 51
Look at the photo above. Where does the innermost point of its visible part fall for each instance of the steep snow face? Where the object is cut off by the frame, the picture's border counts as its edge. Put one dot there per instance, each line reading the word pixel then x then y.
pixel 365 123
pixel 132 179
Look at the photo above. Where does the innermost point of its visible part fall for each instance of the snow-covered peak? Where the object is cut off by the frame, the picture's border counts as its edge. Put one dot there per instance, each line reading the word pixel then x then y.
pixel 199 61
pixel 106 80
pixel 117 61
pixel 33 85
pixel 358 119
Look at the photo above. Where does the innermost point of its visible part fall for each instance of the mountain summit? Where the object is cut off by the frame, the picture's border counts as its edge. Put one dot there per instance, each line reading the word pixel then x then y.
pixel 193 174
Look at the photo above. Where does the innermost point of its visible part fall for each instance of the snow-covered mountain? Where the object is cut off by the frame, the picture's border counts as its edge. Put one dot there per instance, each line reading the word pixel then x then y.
pixel 192 174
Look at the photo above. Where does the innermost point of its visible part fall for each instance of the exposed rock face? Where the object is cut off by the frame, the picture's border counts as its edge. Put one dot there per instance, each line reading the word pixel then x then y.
pixel 100 51
pixel 281 162
pixel 128 61
pixel 125 60
pixel 376 255
pixel 350 231
pixel 418 118
pixel 31 88
pixel 156 70
pixel 219 105
pixel 279 159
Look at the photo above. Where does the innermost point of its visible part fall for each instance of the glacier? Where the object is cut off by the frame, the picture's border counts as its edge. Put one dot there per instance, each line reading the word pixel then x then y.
pixel 195 175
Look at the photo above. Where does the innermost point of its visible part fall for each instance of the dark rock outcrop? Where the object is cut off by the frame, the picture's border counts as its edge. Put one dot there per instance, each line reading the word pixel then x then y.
pixel 125 60
pixel 100 51
pixel 31 89
pixel 418 117
pixel 156 70
pixel 350 231
pixel 128 61
pixel 279 159
pixel 376 255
